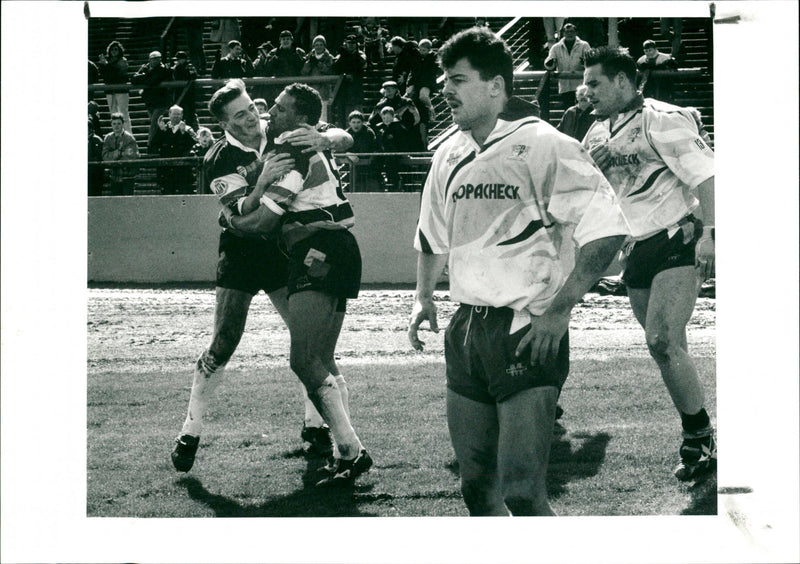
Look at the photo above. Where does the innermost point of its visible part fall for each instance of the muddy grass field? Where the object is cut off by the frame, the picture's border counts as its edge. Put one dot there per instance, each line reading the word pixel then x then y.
pixel 612 452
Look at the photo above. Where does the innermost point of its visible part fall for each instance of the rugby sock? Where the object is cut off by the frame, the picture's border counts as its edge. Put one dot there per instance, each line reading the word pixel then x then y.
pixel 342 385
pixel 696 422
pixel 329 402
pixel 206 379
pixel 312 418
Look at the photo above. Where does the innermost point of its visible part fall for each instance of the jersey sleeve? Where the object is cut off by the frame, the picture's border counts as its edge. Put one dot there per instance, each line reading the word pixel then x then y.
pixel 231 189
pixel 575 191
pixel 431 236
pixel 676 139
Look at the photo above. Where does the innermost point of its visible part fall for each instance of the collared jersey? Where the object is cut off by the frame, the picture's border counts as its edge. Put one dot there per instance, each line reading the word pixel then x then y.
pixel 657 159
pixel 503 212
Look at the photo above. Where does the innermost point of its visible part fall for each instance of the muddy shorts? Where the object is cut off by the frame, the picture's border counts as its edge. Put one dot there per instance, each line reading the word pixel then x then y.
pixel 646 258
pixel 250 265
pixel 328 261
pixel 479 352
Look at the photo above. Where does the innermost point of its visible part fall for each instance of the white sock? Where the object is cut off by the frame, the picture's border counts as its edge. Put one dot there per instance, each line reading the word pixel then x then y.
pixel 342 385
pixel 205 382
pixel 330 405
pixel 312 418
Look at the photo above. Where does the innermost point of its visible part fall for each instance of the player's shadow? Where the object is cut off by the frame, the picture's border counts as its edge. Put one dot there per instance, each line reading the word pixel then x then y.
pixel 567 465
pixel 309 501
pixel 703 497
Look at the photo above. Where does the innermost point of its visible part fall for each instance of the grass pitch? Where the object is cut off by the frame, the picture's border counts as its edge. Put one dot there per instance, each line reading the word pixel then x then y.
pixel 612 452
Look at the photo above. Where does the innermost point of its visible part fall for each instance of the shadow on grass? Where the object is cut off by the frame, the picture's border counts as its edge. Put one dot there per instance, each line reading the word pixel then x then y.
pixel 309 501
pixel 703 497
pixel 567 465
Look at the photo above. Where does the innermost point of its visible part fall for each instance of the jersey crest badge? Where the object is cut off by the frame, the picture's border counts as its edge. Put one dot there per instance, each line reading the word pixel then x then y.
pixel 519 152
pixel 635 133
pixel 453 159
pixel 219 186
pixel 241 171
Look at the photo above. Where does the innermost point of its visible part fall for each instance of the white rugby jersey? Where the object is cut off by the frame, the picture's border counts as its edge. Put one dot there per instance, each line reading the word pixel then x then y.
pixel 657 159
pixel 504 211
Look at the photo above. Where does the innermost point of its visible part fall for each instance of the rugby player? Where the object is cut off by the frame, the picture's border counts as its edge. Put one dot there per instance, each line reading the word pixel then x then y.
pixel 236 165
pixel 308 208
pixel 500 199
pixel 656 160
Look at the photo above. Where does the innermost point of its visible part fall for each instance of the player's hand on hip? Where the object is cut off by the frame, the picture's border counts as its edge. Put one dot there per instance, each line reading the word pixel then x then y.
pixel 275 166
pixel 307 136
pixel 422 310
pixel 544 337
pixel 704 255
pixel 601 155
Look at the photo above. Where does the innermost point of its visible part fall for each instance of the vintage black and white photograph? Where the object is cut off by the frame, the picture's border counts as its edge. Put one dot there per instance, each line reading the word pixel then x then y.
pixel 421 260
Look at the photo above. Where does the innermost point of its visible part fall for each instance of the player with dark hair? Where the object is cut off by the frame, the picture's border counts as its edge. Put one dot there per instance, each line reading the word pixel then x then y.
pixel 655 158
pixel 501 198
pixel 239 163
pixel 314 218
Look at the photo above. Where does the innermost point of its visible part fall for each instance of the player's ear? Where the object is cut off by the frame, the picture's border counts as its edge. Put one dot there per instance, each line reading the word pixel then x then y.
pixel 497 86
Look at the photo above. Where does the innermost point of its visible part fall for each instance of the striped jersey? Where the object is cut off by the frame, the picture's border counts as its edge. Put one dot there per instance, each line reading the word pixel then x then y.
pixel 657 158
pixel 505 211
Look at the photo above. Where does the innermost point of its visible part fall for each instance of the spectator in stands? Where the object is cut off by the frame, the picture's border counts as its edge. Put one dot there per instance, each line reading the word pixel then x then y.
pixel 96 175
pixel 205 140
pixel 394 137
pixel 94 116
pixel 374 39
pixel 319 62
pixel 567 56
pixel 120 145
pixel 363 170
pixel 156 98
pixel 286 59
pixel 406 58
pixel 174 139
pixel 225 30
pixel 350 63
pixel 578 118
pixel 658 87
pixel 236 64
pixel 262 106
pixel 186 97
pixel 113 67
pixel 421 84
pixel 403 108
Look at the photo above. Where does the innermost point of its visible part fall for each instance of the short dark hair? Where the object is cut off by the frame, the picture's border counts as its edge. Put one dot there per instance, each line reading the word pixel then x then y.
pixel 397 40
pixel 307 101
pixel 612 61
pixel 117 115
pixel 648 43
pixel 233 43
pixel 355 114
pixel 484 50
pixel 224 96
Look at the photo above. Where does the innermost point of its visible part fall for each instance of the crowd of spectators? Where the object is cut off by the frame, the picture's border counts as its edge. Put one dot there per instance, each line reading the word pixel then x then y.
pixel 402 117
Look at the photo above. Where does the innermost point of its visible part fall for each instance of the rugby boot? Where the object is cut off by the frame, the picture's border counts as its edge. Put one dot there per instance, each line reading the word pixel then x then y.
pixel 698 454
pixel 317 440
pixel 184 452
pixel 347 471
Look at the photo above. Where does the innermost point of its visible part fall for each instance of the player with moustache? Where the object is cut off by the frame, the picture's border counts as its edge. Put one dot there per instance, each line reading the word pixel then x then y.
pixel 502 197
pixel 655 158
pixel 238 164
pixel 309 210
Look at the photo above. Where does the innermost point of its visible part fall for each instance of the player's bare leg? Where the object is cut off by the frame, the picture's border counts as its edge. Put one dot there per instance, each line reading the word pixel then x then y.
pixel 526 428
pixel 230 316
pixel 311 319
pixel 474 432
pixel 664 312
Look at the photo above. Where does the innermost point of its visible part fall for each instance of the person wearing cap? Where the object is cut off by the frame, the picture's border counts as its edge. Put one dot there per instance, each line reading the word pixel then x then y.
pixel 404 109
pixel 186 96
pixel 236 64
pixel 156 98
pixel 351 63
pixel 319 62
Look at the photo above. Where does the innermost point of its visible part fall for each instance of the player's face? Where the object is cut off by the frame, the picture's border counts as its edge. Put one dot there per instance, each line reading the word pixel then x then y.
pixel 467 95
pixel 242 118
pixel 282 115
pixel 604 94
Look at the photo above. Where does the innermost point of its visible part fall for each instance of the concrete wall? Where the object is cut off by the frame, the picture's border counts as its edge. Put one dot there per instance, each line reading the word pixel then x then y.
pixel 156 239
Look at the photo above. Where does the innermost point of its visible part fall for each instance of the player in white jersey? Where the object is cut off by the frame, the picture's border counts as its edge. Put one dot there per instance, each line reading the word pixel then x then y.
pixel 309 209
pixel 655 158
pixel 500 201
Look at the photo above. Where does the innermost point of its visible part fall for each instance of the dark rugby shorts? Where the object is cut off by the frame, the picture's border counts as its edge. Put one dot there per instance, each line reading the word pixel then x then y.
pixel 480 356
pixel 655 254
pixel 328 261
pixel 250 265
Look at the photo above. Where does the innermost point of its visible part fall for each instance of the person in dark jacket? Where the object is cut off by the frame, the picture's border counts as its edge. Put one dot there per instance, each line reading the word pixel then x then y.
pixel 365 174
pixel 577 119
pixel 405 111
pixel 422 85
pixel 406 58
pixel 156 98
pixel 174 139
pixel 351 64
pixel 113 68
pixel 235 64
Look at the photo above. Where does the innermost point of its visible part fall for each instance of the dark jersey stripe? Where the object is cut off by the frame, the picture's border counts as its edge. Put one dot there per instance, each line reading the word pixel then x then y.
pixel 648 183
pixel 527 233
pixel 459 166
